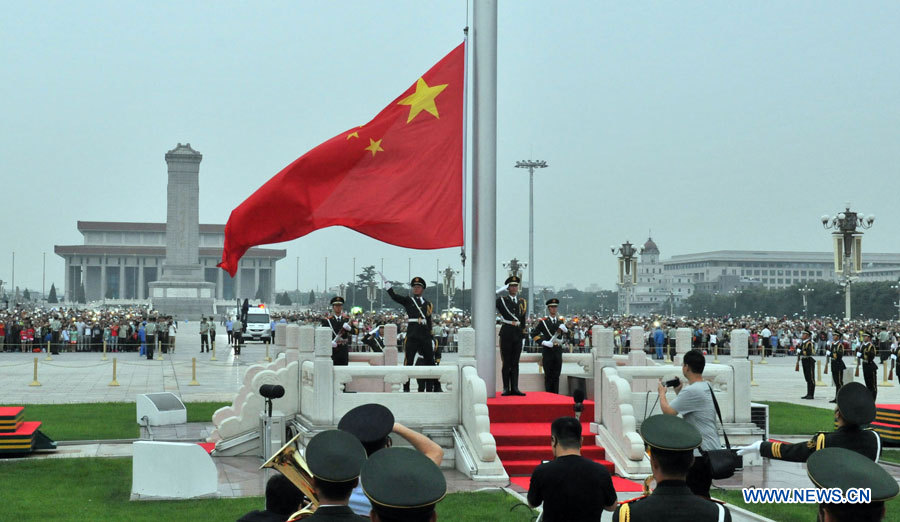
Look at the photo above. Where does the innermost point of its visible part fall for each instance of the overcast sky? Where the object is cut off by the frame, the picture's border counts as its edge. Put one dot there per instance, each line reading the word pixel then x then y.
pixel 714 126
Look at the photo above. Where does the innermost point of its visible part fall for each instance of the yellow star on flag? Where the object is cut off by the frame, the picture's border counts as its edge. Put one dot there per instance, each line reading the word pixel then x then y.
pixel 374 146
pixel 422 99
pixel 353 135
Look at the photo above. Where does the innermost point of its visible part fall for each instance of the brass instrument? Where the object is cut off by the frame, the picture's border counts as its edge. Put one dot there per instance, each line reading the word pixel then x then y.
pixel 292 465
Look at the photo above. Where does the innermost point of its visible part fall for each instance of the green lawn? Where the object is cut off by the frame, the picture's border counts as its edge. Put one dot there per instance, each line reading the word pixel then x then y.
pixel 99 489
pixel 890 455
pixel 791 512
pixel 101 420
pixel 793 419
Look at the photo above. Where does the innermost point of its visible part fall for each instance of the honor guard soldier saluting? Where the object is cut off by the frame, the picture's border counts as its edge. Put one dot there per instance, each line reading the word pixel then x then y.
pixel 867 354
pixel 805 352
pixel 418 329
pixel 835 356
pixel 855 408
pixel 549 331
pixel 374 339
pixel 341 330
pixel 512 310
pixel 670 442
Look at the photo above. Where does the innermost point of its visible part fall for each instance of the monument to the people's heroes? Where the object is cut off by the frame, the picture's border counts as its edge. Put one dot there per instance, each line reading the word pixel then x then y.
pixel 181 290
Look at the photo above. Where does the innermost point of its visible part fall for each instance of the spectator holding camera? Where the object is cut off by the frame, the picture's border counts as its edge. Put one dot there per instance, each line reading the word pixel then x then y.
pixel 694 403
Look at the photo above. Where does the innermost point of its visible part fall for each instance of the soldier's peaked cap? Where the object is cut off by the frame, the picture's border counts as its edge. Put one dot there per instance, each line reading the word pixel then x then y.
pixel 418 281
pixel 553 302
pixel 402 483
pixel 856 404
pixel 337 300
pixel 335 456
pixel 844 469
pixel 670 433
pixel 512 280
pixel 368 422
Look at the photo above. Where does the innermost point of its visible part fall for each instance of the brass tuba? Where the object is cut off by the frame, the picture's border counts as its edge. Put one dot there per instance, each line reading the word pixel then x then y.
pixel 292 465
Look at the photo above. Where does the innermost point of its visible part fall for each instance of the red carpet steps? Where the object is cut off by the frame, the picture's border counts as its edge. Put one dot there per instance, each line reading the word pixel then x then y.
pixel 18 436
pixel 521 427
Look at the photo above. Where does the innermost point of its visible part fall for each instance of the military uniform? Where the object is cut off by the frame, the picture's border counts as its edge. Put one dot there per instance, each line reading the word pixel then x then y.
pixel 340 333
pixel 867 354
pixel 512 310
pixel 672 500
pixel 805 352
pixel 374 341
pixel 418 333
pixel 548 332
pixel 835 358
pixel 858 409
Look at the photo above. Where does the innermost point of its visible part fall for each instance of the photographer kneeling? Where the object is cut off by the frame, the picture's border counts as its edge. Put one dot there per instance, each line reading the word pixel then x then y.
pixel 694 403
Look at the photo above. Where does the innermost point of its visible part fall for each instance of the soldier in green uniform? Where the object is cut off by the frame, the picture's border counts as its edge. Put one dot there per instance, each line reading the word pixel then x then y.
pixel 867 354
pixel 855 409
pixel 805 352
pixel 835 356
pixel 843 469
pixel 670 442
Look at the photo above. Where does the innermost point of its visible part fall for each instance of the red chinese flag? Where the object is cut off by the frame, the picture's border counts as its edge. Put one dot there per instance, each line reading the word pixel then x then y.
pixel 397 178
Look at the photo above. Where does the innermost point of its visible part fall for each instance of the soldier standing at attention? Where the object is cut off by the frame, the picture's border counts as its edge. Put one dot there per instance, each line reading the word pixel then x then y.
pixel 512 310
pixel 835 356
pixel 339 322
pixel 868 352
pixel 549 331
pixel 418 330
pixel 805 352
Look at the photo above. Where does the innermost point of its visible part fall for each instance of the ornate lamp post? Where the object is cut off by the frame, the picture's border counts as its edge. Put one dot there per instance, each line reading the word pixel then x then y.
pixel 449 284
pixel 805 291
pixel 371 294
pixel 847 235
pixel 627 270
pixel 735 292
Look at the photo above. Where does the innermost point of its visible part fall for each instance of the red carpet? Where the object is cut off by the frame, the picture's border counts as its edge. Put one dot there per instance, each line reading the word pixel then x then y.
pixel 208 446
pixel 521 427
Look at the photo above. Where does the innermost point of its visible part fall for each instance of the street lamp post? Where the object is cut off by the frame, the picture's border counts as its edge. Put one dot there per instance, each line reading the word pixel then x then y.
pixel 805 291
pixel 371 291
pixel 531 165
pixel 895 287
pixel 735 292
pixel 627 270
pixel 449 284
pixel 847 236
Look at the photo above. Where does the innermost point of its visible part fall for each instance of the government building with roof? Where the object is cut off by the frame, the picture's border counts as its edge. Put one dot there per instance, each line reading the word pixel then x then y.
pixel 119 260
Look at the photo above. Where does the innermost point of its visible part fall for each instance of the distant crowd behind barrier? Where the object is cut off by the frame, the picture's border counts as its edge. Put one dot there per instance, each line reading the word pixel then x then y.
pixel 124 329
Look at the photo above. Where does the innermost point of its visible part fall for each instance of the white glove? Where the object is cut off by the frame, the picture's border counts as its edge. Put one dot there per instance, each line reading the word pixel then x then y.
pixel 827 353
pixel 334 344
pixel 563 328
pixel 373 331
pixel 894 356
pixel 859 355
pixel 388 285
pixel 502 288
pixel 752 448
pixel 347 327
pixel 547 344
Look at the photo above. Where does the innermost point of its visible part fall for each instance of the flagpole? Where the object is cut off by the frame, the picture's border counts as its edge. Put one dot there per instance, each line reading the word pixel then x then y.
pixel 484 250
pixel 465 149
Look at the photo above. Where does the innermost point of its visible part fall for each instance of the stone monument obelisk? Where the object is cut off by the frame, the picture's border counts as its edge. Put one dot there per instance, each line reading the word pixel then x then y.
pixel 181 291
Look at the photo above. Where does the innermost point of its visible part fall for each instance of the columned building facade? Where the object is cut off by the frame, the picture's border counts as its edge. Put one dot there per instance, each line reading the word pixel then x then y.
pixel 119 260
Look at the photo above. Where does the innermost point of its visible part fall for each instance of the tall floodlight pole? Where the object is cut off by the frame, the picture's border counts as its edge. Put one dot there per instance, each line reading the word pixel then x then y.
pixel 627 270
pixel 735 292
pixel 847 235
pixel 531 165
pixel 484 193
pixel 298 277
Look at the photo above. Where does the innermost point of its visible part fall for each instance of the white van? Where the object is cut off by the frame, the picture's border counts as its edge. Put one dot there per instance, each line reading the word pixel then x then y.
pixel 258 327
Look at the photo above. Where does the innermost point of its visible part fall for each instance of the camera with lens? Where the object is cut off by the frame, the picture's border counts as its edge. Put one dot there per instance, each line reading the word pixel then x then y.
pixel 673 383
